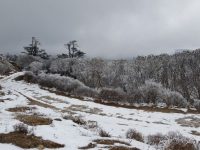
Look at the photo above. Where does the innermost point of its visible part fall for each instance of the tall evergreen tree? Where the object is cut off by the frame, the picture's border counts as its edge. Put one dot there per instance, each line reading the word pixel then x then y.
pixel 34 50
pixel 73 50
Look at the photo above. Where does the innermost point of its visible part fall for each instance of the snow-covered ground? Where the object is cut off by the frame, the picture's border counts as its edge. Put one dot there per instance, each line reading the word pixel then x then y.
pixel 114 120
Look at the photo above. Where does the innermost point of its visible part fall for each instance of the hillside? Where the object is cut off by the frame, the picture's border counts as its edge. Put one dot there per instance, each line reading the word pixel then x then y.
pixel 78 124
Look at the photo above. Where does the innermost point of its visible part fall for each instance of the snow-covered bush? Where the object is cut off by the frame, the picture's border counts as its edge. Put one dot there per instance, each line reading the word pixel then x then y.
pixel 62 83
pixel 173 98
pixel 155 93
pixel 197 104
pixel 115 95
pixel 5 67
pixel 172 141
pixel 23 61
pixel 176 141
pixel 30 77
pixel 36 66
pixel 151 92
pixel 86 91
pixel 156 139
pixel 21 128
pixel 135 97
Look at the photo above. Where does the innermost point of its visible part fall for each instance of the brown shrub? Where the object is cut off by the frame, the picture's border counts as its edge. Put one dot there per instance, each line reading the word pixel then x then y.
pixel 76 119
pixel 2 93
pixel 21 128
pixel 172 141
pixel 133 134
pixel 103 133
pixel 28 77
pixel 177 141
pixel 89 146
pixel 155 139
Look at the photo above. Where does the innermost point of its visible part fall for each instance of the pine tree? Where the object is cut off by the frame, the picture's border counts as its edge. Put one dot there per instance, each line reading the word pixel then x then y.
pixel 73 50
pixel 34 50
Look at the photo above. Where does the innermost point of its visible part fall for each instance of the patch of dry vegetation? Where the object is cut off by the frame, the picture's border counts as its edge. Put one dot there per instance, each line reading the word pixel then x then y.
pixel 156 139
pixel 195 133
pixel 27 141
pixel 103 133
pixel 189 121
pixel 24 138
pixel 110 142
pixel 145 108
pixel 134 134
pixel 21 109
pixel 89 146
pixel 122 148
pixel 172 141
pixel 34 120
pixel 83 108
pixel 2 93
pixel 76 119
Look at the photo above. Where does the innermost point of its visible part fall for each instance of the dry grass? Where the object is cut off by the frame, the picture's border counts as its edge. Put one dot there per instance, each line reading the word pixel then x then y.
pixel 27 141
pixel 133 134
pixel 110 142
pixel 122 148
pixel 145 108
pixel 33 102
pixel 34 120
pixel 180 145
pixel 83 108
pixel 190 121
pixel 195 133
pixel 21 109
pixel 76 119
pixel 89 146
pixel 62 93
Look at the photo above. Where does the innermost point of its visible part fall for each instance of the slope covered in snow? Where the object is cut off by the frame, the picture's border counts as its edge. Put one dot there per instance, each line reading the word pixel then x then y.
pixel 116 121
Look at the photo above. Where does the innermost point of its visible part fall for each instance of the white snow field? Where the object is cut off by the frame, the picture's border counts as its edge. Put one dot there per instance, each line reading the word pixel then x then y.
pixel 114 120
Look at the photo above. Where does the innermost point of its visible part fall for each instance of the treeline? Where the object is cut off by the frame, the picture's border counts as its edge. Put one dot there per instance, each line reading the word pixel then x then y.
pixel 170 79
pixel 146 79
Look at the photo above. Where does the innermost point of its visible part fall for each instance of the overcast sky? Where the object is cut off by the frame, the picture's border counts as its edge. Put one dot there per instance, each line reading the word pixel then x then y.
pixel 103 28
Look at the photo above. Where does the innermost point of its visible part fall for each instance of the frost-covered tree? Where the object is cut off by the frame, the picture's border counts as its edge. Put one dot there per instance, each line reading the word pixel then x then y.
pixel 36 66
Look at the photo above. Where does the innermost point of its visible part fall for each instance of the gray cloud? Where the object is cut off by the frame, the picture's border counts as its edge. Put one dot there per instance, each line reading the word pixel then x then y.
pixel 107 28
